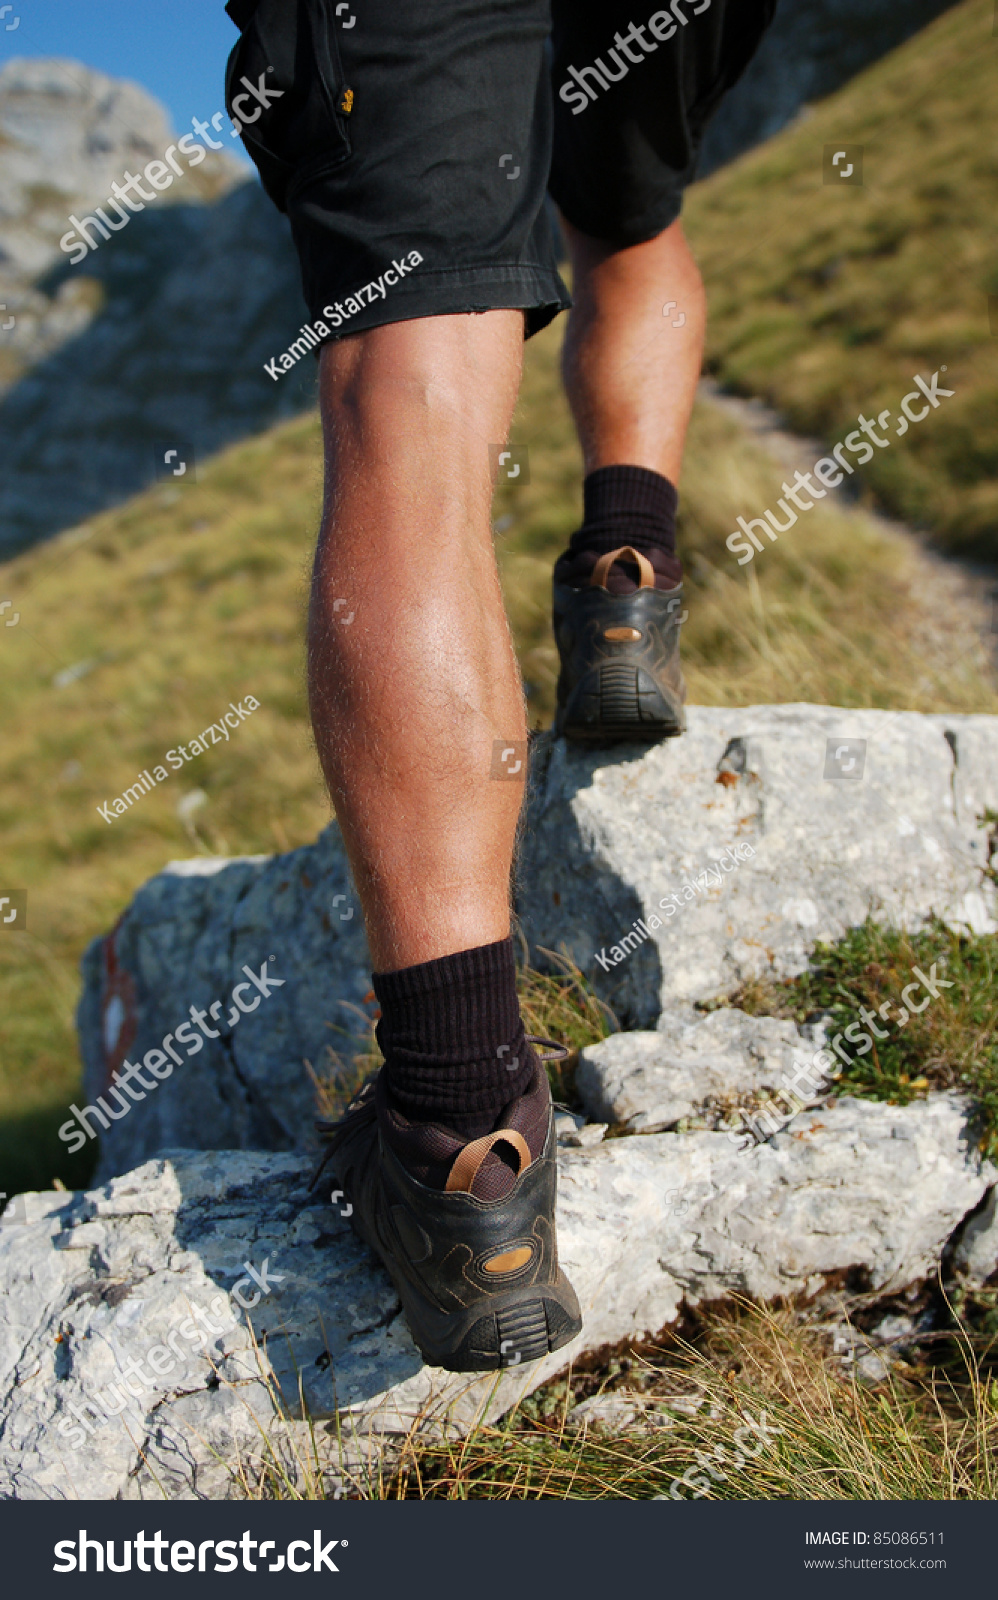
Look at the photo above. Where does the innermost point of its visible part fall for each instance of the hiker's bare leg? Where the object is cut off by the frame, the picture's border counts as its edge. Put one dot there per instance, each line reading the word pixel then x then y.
pixel 631 376
pixel 409 696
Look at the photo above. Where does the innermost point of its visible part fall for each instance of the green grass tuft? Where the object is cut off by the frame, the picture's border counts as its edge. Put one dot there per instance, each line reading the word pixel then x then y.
pixel 951 1044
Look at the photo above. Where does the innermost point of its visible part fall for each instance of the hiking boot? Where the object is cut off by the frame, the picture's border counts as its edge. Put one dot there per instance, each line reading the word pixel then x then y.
pixel 620 674
pixel 465 1228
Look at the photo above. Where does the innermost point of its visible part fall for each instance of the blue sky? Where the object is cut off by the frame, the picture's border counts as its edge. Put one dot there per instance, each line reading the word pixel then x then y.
pixel 174 48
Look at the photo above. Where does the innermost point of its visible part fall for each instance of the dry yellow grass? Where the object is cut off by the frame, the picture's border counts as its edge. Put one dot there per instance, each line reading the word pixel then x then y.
pixel 752 1405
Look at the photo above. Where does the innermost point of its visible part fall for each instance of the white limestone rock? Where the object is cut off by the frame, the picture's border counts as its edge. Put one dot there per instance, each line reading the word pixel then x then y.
pixel 92 1283
pixel 976 1254
pixel 183 942
pixel 689 1068
pixel 613 838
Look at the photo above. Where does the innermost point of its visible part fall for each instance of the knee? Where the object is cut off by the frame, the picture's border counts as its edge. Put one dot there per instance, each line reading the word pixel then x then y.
pixel 429 375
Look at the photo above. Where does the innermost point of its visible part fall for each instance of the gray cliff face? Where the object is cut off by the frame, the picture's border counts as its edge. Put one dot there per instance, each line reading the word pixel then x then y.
pixel 159 335
pixel 66 134
pixel 196 299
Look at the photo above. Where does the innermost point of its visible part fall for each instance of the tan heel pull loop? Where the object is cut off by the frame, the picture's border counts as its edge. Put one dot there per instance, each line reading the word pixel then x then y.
pixel 601 570
pixel 465 1169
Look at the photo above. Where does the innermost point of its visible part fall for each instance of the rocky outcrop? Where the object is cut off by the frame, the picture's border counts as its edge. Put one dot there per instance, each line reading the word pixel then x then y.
pixel 183 943
pixel 172 1329
pixel 735 826
pixel 168 1332
pixel 690 1072
pixel 678 873
pixel 158 337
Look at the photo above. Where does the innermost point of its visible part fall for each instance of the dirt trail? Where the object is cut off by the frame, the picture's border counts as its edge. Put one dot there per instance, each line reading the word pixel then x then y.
pixel 959 598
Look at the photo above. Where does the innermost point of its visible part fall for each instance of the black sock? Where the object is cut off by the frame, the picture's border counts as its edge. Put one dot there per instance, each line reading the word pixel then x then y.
pixel 624 505
pixel 449 1031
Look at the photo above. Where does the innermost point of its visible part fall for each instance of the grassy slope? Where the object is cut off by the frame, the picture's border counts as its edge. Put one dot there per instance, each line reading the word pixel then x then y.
pixel 827 298
pixel 186 599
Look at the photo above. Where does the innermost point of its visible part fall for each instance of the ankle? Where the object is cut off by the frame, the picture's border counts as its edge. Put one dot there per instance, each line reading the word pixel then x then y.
pixel 452 1038
pixel 576 570
pixel 624 505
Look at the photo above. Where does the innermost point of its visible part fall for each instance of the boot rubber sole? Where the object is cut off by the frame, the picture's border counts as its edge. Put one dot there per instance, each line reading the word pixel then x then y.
pixel 617 701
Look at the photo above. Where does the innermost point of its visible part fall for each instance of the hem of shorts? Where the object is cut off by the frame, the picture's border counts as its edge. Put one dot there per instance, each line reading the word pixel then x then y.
pixel 454 291
pixel 638 230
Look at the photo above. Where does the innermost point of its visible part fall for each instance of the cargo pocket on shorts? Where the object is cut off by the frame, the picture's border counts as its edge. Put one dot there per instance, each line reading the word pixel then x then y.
pixel 284 86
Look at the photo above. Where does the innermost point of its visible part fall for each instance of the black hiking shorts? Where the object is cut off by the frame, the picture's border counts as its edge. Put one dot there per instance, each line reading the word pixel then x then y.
pixel 411 142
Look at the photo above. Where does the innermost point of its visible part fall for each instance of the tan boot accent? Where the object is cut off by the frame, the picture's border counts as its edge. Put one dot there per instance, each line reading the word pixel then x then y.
pixel 465 1169
pixel 601 570
pixel 510 1260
